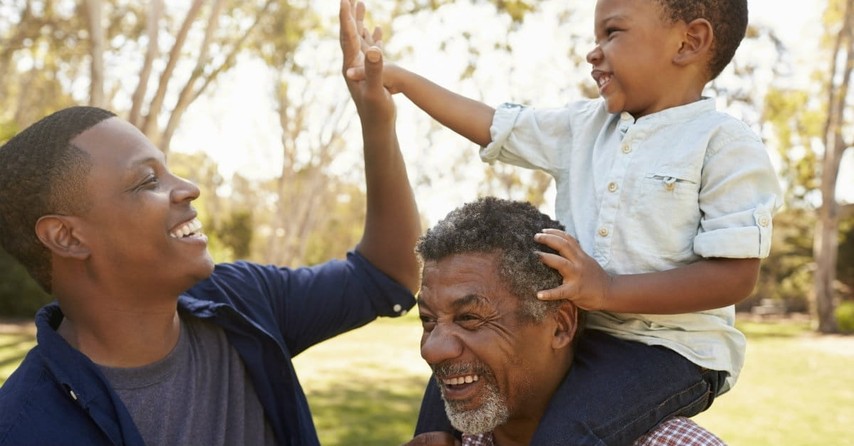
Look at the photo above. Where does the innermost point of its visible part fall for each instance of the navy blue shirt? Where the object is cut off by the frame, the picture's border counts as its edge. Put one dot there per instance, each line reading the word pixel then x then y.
pixel 59 397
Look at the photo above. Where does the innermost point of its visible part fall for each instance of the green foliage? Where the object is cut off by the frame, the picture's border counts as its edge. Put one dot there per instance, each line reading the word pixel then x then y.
pixel 786 274
pixel 236 233
pixel 20 295
pixel 844 315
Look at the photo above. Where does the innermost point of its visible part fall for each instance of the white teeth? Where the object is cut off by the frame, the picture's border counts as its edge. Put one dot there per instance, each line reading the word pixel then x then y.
pixel 186 229
pixel 468 379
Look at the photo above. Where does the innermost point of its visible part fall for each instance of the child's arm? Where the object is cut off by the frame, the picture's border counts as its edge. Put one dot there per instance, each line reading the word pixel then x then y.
pixel 469 118
pixel 709 283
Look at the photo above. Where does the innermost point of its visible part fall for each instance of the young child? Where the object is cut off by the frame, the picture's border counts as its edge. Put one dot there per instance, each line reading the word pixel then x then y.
pixel 667 204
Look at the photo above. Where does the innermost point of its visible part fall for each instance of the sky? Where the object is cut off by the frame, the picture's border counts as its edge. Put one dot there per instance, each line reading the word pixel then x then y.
pixel 235 125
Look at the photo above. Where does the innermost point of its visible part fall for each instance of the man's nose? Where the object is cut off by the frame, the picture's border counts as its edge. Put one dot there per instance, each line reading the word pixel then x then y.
pixel 439 345
pixel 184 190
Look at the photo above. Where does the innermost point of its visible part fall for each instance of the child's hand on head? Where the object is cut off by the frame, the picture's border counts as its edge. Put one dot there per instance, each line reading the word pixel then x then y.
pixel 585 283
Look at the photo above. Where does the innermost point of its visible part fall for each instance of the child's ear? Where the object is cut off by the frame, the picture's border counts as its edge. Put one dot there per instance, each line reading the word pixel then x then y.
pixel 696 43
pixel 58 234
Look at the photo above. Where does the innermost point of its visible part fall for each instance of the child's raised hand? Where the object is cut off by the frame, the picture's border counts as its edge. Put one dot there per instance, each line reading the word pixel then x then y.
pixel 372 100
pixel 585 283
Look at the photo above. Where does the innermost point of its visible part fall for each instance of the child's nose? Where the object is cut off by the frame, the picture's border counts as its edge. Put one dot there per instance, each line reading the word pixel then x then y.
pixel 594 56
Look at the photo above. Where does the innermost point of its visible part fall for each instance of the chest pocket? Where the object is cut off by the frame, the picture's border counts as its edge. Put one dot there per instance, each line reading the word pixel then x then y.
pixel 669 203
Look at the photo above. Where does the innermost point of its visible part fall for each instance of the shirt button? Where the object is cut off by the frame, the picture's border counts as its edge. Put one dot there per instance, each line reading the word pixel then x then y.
pixel 612 187
pixel 397 308
pixel 603 231
pixel 626 148
pixel 763 221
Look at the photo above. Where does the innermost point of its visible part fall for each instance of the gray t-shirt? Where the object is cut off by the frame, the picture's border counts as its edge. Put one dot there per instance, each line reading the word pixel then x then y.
pixel 199 394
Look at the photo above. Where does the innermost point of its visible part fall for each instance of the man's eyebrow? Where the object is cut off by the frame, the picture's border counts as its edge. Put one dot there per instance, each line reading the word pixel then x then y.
pixel 469 300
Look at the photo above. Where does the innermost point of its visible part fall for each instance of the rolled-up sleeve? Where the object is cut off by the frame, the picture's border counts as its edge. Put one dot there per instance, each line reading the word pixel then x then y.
pixel 739 196
pixel 527 137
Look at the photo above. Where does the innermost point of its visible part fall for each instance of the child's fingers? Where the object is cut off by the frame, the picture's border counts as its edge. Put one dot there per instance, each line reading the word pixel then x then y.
pixel 374 67
pixel 550 294
pixel 561 242
pixel 562 266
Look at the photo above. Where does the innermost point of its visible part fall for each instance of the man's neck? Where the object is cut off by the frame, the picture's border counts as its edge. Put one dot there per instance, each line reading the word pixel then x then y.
pixel 117 338
pixel 515 433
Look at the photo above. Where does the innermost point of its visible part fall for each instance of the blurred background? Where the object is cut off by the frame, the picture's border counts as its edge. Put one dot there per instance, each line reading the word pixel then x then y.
pixel 246 98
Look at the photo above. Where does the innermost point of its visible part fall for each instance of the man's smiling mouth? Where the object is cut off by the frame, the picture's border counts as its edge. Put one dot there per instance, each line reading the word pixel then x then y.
pixel 457 380
pixel 190 228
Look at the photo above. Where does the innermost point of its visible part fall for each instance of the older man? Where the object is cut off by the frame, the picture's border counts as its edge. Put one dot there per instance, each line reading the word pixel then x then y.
pixel 497 352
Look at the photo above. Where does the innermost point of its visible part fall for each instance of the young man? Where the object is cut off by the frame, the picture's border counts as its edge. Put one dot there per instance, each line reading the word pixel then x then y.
pixel 148 341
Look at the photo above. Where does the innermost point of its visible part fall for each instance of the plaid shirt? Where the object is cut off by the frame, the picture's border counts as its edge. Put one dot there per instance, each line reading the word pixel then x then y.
pixel 677 431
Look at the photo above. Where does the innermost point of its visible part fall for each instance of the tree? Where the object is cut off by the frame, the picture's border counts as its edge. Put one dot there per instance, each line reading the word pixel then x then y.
pixel 836 139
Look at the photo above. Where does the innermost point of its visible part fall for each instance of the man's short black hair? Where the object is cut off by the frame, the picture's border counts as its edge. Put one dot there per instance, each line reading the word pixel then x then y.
pixel 42 173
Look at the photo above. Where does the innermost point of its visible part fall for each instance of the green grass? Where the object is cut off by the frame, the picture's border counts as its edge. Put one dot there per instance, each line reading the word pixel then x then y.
pixel 796 389
pixel 365 387
pixel 14 344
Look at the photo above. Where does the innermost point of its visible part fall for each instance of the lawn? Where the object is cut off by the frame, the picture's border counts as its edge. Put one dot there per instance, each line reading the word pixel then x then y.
pixel 365 386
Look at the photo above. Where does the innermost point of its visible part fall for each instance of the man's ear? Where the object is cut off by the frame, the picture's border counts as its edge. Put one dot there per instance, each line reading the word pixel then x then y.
pixel 566 326
pixel 696 43
pixel 58 234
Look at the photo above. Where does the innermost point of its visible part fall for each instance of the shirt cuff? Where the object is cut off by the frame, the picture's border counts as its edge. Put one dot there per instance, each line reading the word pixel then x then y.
pixel 502 125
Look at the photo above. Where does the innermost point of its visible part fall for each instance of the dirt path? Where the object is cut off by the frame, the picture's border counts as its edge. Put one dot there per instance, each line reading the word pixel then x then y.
pixel 833 344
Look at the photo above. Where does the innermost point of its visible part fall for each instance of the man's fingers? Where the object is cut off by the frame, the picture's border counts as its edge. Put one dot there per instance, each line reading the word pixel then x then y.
pixel 347 31
pixel 360 19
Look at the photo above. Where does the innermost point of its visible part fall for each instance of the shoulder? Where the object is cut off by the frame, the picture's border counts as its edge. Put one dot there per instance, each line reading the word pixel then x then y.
pixel 25 400
pixel 679 431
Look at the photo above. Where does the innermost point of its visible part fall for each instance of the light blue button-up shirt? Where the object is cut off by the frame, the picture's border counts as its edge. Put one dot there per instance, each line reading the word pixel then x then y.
pixel 650 195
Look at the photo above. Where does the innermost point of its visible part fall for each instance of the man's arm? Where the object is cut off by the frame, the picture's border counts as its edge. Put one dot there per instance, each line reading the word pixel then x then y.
pixel 467 117
pixel 710 283
pixel 392 223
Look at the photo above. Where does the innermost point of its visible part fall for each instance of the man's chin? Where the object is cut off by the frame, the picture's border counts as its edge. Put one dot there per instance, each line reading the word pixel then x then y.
pixel 482 418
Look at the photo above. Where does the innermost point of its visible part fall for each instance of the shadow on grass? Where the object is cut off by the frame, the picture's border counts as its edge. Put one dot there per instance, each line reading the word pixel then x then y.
pixel 367 412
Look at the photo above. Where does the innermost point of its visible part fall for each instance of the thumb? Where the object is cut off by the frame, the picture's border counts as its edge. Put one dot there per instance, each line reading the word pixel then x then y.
pixel 374 66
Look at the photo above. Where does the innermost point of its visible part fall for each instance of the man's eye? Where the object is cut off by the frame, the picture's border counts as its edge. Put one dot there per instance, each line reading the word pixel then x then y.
pixel 427 322
pixel 469 321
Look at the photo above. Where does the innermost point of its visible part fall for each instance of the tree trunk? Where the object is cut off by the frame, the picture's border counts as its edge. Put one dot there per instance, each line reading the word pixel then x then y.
pixel 94 17
pixel 826 242
pixel 155 11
